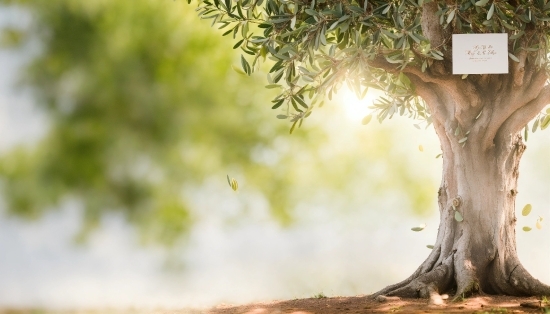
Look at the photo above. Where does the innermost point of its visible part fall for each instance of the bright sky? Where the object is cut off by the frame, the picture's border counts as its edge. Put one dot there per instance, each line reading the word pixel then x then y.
pixel 356 109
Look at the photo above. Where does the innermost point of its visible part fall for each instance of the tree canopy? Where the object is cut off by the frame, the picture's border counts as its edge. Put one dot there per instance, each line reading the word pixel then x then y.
pixel 318 45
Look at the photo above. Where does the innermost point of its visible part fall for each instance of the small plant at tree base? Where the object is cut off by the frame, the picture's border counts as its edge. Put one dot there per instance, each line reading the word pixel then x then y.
pixel 320 296
pixel 404 48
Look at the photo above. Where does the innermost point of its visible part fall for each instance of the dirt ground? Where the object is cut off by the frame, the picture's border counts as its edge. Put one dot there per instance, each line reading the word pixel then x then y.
pixel 340 305
pixel 366 304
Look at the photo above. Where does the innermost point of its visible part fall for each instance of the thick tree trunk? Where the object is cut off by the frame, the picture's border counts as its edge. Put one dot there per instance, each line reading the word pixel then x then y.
pixel 475 250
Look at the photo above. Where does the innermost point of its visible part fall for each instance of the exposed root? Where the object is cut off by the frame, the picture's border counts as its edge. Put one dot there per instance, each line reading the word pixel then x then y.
pixel 467 290
pixel 525 284
pixel 423 269
pixel 383 298
pixel 442 278
pixel 427 285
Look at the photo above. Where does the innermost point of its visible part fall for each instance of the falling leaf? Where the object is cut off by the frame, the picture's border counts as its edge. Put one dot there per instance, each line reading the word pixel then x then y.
pixel 366 119
pixel 429 246
pixel 526 229
pixel 539 223
pixel 419 228
pixel 420 148
pixel 233 183
pixel 458 216
pixel 526 210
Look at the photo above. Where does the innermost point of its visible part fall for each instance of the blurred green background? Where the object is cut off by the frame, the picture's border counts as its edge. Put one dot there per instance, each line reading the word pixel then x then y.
pixel 141 118
pixel 142 103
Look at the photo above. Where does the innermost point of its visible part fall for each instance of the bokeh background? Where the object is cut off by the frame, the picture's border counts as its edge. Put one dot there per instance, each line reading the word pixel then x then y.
pixel 119 122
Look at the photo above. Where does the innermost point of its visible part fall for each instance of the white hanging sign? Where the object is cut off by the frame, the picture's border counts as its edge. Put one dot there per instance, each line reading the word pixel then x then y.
pixel 480 53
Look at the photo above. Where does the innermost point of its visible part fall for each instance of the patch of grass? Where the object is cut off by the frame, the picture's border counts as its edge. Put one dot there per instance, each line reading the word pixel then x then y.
pixel 546 304
pixel 320 295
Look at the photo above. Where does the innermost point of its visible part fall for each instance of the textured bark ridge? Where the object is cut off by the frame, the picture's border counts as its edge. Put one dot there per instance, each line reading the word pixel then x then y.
pixel 478 120
pixel 475 250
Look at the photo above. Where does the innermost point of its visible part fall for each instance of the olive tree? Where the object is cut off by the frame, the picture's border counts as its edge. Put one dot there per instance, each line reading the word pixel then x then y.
pixel 404 48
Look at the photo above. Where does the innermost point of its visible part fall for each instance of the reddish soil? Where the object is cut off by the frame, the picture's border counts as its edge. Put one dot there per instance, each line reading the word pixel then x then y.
pixel 365 304
pixel 339 305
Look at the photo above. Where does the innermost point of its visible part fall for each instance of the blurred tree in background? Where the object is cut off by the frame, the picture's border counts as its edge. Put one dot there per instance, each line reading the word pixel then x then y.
pixel 143 105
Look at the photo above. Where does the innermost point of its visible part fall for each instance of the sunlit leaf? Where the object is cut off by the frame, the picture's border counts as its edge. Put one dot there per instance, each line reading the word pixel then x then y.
pixel 458 216
pixel 451 16
pixel 526 210
pixel 481 3
pixel 527 229
pixel 420 148
pixel 234 184
pixel 513 57
pixel 238 70
pixel 491 11
pixel 366 119
pixel 419 228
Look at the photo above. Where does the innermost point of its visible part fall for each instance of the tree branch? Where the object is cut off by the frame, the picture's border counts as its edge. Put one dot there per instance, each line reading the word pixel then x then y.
pixel 513 102
pixel 526 113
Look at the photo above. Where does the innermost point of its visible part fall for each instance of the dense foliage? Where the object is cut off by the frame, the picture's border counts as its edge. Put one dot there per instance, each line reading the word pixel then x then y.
pixel 318 45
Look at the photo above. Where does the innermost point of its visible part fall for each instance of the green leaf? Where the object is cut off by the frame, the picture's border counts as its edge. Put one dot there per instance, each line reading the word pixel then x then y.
pixel 234 184
pixel 429 246
pixel 366 119
pixel 311 12
pixel 458 216
pixel 491 11
pixel 545 122
pixel 462 140
pixel 282 116
pixel 228 180
pixel 245 65
pixel 419 228
pixel 238 44
pixel 278 104
pixel 513 57
pixel 293 126
pixel 527 229
pixel 451 16
pixel 300 101
pixel 237 70
pixel 516 36
pixel 526 210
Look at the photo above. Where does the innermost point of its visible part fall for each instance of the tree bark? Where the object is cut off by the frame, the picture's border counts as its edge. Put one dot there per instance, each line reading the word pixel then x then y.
pixel 479 131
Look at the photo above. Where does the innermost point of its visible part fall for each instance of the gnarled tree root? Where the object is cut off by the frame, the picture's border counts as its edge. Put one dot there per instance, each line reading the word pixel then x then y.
pixel 433 281
pixel 424 283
